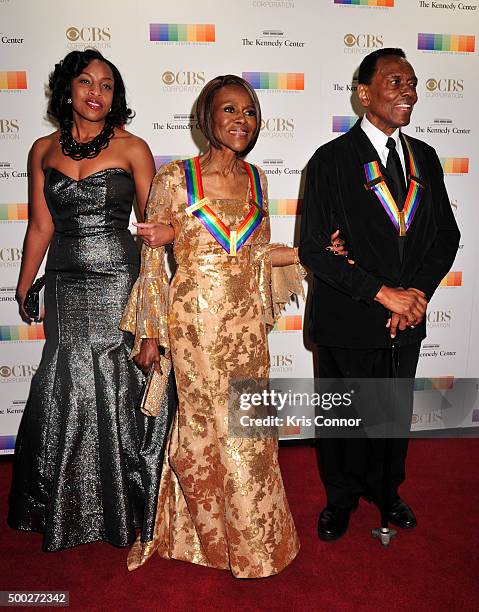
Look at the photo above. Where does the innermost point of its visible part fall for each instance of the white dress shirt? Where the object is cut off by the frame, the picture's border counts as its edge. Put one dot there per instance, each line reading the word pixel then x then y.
pixel 379 139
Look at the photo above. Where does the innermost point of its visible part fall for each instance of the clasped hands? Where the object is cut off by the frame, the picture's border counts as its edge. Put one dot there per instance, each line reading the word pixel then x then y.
pixel 407 307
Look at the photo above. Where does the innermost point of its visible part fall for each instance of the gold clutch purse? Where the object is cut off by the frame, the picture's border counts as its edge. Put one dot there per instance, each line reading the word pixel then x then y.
pixel 154 387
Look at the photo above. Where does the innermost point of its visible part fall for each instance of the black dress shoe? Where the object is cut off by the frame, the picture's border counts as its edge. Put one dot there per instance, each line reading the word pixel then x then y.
pixel 401 515
pixel 333 522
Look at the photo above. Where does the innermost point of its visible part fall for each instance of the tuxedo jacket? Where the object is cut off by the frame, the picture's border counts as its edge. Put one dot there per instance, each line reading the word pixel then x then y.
pixel 343 310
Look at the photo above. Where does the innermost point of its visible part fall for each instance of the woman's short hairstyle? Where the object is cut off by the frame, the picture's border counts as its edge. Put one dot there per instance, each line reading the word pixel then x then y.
pixel 60 80
pixel 204 107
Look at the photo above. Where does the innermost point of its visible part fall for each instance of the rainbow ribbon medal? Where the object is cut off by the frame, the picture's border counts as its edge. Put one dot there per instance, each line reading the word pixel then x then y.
pixel 401 219
pixel 198 206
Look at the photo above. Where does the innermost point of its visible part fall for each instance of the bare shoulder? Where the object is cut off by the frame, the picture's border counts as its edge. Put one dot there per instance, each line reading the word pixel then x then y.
pixel 44 142
pixel 131 140
pixel 135 147
pixel 43 145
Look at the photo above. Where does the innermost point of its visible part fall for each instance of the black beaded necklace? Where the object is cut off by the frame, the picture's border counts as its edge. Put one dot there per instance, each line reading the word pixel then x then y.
pixel 85 150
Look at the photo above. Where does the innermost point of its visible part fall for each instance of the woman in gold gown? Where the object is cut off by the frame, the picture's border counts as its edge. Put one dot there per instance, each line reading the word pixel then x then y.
pixel 222 502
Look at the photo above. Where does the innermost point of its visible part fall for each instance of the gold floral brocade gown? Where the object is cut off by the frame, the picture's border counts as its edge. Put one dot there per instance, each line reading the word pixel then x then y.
pixel 222 502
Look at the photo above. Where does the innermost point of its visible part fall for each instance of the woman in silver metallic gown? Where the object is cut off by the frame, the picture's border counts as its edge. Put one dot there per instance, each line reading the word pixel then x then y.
pixel 86 464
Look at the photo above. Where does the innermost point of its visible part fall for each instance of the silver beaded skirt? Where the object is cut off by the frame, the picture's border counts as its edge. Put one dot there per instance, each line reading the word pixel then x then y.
pixel 87 463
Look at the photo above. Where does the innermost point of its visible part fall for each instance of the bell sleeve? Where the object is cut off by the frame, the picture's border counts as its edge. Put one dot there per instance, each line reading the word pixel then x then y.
pixel 277 284
pixel 146 312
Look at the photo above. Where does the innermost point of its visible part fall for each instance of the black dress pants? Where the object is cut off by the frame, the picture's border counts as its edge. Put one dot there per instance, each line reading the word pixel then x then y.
pixel 354 467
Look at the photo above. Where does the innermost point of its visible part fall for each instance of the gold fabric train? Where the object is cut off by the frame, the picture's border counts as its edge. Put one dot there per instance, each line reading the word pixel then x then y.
pixel 222 502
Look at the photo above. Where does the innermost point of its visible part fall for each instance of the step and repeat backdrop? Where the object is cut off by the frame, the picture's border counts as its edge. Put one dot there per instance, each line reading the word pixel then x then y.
pixel 301 56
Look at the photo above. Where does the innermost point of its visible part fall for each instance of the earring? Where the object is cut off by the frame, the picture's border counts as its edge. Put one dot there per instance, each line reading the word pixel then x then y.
pixel 69 101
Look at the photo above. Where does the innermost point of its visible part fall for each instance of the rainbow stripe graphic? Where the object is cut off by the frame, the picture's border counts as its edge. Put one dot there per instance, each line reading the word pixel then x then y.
pixel 7 443
pixel 415 172
pixel 452 279
pixel 343 123
pixel 385 3
pixel 215 226
pixel 428 384
pixel 13 80
pixel 455 165
pixel 401 219
pixel 372 171
pixel 285 208
pixel 289 323
pixel 292 81
pixel 230 240
pixel 182 32
pixel 13 212
pixel 446 42
pixel 255 184
pixel 246 228
pixel 161 160
pixel 194 186
pixel 12 333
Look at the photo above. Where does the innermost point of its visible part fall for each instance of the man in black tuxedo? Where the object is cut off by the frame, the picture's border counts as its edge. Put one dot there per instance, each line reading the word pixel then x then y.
pixel 403 242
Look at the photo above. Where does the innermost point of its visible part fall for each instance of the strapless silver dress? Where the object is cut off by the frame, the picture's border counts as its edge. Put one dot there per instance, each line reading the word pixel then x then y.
pixel 87 463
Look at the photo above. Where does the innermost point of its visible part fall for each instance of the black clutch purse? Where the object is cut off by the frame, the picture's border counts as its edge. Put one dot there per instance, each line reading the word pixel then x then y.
pixel 34 300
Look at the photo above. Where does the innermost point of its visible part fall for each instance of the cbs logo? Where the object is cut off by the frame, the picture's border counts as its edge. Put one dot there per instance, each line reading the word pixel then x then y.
pixel 10 254
pixel 281 360
pixel 430 417
pixel 439 316
pixel 19 370
pixel 277 124
pixel 186 77
pixel 445 85
pixel 9 126
pixel 88 34
pixel 364 41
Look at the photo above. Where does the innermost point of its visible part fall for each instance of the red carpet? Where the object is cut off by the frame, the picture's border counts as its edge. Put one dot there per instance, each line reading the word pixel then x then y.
pixel 434 567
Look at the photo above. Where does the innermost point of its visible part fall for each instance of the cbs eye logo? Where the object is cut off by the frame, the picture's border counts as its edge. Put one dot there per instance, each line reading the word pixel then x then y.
pixel 88 34
pixel 19 370
pixel 445 85
pixel 365 41
pixel 168 78
pixel 350 40
pixel 183 77
pixel 73 34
